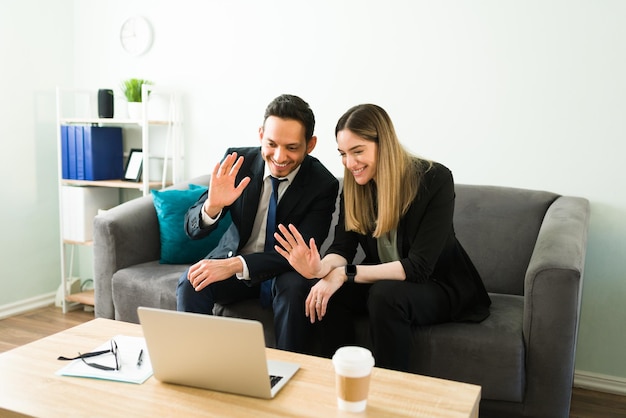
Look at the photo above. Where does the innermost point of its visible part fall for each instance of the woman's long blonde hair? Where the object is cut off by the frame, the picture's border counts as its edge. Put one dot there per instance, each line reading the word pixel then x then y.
pixel 378 206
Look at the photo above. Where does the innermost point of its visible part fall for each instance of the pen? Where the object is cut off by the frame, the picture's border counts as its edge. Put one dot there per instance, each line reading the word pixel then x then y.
pixel 140 358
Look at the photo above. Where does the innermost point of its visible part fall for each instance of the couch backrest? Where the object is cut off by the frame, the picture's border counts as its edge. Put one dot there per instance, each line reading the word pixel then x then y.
pixel 202 180
pixel 498 227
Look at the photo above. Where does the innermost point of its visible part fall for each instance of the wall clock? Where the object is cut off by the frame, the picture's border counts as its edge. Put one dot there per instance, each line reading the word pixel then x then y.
pixel 136 35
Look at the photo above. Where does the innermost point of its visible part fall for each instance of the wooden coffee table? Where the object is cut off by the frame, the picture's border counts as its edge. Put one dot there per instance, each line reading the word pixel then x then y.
pixel 29 387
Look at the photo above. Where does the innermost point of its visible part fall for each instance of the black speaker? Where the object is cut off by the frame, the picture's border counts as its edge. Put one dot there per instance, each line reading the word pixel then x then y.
pixel 105 103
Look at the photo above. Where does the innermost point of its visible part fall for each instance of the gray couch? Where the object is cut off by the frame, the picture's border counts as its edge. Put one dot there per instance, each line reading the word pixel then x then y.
pixel 529 247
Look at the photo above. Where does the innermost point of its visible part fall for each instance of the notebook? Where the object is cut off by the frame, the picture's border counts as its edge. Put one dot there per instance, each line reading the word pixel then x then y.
pixel 212 352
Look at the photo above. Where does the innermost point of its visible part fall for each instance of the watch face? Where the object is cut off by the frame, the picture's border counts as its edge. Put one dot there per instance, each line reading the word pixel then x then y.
pixel 136 35
pixel 351 269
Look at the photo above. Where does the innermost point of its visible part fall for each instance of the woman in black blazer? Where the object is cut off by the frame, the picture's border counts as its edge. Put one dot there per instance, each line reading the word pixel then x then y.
pixel 399 208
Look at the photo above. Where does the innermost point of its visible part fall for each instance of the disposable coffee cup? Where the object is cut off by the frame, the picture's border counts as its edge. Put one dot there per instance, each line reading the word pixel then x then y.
pixel 353 367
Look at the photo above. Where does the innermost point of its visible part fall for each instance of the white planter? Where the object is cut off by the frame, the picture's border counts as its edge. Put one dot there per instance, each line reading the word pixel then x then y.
pixel 135 110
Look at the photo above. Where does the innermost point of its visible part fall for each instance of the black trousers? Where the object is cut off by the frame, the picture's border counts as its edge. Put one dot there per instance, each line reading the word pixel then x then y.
pixel 393 307
pixel 294 331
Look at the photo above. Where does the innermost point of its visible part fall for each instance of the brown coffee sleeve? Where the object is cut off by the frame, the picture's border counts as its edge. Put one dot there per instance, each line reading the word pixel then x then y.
pixel 352 389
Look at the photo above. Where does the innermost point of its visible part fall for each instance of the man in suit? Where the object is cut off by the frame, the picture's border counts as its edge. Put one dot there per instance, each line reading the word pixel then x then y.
pixel 244 264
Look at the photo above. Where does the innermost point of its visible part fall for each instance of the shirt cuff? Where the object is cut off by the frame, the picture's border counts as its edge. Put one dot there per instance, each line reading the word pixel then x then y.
pixel 246 274
pixel 207 220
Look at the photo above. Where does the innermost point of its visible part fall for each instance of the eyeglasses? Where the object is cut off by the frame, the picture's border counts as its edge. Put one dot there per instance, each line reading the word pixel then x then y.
pixel 112 350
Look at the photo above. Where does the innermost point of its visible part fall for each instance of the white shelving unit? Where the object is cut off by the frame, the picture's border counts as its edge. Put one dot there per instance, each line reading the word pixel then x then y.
pixel 79 107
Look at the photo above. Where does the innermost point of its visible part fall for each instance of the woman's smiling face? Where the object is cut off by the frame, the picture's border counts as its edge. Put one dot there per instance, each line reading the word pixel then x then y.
pixel 358 155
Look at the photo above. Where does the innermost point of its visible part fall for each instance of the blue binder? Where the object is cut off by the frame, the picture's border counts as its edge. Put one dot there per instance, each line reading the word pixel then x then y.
pixel 80 153
pixel 65 164
pixel 103 152
pixel 71 153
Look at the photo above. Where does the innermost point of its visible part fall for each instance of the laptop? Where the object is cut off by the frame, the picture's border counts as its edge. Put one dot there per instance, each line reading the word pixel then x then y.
pixel 212 352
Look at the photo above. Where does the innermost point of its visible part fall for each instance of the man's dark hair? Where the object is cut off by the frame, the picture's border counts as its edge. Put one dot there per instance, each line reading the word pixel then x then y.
pixel 287 106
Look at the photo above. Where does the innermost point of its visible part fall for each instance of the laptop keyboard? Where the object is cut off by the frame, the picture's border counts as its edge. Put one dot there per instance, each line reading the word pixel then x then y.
pixel 274 380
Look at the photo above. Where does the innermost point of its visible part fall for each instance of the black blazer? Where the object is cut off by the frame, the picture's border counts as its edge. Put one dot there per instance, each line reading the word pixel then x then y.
pixel 427 246
pixel 308 203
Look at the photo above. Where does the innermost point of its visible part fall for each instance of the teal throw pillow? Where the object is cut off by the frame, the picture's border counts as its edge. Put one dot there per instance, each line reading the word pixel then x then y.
pixel 176 247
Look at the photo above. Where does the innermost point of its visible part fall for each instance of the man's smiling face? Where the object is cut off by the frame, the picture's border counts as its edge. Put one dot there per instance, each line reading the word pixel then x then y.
pixel 283 145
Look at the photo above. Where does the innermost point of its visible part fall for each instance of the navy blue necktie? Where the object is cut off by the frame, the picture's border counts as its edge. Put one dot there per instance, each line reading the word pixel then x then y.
pixel 266 286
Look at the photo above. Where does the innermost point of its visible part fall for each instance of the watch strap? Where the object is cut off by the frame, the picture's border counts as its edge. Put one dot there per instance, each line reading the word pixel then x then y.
pixel 350 272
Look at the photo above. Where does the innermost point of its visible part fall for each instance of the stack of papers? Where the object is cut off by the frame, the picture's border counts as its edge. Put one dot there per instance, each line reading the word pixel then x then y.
pixel 128 354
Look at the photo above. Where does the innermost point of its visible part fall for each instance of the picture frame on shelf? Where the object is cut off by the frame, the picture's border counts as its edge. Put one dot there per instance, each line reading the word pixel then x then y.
pixel 134 165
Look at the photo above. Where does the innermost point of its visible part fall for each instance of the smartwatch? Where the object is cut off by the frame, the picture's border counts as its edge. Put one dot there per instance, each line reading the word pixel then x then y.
pixel 350 272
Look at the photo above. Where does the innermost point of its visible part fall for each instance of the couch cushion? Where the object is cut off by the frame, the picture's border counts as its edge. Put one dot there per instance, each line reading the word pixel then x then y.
pixel 148 284
pixel 176 247
pixel 490 354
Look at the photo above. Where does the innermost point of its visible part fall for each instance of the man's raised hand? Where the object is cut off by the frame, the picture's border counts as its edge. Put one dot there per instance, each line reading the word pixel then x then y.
pixel 222 190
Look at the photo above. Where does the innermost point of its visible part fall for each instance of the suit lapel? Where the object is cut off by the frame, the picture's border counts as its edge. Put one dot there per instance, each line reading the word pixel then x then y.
pixel 250 197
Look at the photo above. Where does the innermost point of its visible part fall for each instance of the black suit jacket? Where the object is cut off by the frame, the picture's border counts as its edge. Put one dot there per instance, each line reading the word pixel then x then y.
pixel 308 203
pixel 428 247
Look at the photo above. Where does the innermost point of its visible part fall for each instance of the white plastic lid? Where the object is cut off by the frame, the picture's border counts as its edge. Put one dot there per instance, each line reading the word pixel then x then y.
pixel 353 361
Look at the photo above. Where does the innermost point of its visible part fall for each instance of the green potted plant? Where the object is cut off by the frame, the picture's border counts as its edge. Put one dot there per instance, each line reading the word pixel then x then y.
pixel 132 91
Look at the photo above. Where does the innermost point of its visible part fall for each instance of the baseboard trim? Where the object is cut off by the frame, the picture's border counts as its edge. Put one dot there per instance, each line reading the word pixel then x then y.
pixel 599 382
pixel 26 305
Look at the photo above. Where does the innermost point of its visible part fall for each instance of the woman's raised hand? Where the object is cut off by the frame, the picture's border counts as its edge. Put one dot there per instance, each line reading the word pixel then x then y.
pixel 305 259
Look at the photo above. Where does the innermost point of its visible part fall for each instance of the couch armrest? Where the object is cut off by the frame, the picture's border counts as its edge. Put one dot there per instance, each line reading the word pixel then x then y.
pixel 552 297
pixel 125 235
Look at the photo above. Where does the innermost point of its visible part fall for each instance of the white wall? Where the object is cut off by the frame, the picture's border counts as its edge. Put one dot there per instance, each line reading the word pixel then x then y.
pixel 36 45
pixel 521 93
